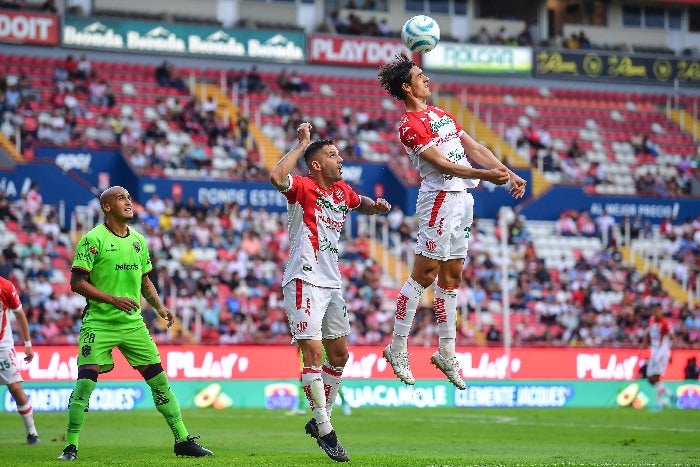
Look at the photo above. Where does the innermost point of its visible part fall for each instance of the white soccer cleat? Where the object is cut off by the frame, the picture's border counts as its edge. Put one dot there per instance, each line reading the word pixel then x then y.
pixel 399 363
pixel 449 366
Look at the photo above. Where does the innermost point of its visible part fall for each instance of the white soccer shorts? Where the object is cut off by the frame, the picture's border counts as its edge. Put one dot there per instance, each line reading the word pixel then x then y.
pixel 444 224
pixel 315 313
pixel 657 363
pixel 9 367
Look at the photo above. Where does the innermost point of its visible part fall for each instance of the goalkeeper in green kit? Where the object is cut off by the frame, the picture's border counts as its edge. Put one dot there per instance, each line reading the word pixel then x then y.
pixel 110 270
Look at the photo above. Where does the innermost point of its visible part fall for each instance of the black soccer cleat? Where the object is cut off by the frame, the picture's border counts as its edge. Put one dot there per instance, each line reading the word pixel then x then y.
pixel 191 448
pixel 32 439
pixel 312 428
pixel 70 453
pixel 332 447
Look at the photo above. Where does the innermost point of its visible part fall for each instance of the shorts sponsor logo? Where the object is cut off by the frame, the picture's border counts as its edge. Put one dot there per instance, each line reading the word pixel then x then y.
pixel 301 326
pixel 430 245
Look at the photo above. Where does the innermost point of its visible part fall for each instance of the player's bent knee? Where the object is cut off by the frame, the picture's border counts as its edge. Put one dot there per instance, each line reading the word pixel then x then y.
pixel 152 370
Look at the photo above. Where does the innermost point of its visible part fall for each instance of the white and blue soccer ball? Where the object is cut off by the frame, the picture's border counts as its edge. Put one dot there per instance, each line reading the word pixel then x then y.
pixel 420 34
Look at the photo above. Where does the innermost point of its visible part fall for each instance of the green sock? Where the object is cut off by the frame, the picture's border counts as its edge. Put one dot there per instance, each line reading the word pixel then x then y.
pixel 167 405
pixel 77 407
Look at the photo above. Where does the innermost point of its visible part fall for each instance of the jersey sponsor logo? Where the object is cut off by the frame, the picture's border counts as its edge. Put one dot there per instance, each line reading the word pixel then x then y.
pixel 331 223
pixel 324 203
pixel 126 267
pixel 324 244
pixel 437 124
pixel 82 257
pixel 137 247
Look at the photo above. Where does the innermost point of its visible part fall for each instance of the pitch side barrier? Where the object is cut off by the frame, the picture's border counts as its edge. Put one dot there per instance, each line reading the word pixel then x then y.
pixel 218 377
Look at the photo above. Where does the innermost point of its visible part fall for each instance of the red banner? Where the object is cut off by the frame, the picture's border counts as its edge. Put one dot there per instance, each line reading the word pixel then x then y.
pixel 25 27
pixel 248 362
pixel 353 50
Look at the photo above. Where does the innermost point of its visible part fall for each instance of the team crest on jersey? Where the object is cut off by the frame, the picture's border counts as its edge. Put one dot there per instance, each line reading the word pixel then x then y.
pixel 137 247
pixel 93 250
pixel 86 350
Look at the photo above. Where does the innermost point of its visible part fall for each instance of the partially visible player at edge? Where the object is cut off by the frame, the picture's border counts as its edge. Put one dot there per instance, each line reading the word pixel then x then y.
pixel 660 335
pixel 439 149
pixel 9 368
pixel 317 208
pixel 110 270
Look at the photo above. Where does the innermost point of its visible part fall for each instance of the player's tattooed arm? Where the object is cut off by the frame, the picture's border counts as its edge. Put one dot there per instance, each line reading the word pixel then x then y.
pixel 149 293
pixel 367 206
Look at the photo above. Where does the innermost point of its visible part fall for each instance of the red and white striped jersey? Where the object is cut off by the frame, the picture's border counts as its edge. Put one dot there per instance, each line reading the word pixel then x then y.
pixel 9 302
pixel 316 218
pixel 659 334
pixel 434 126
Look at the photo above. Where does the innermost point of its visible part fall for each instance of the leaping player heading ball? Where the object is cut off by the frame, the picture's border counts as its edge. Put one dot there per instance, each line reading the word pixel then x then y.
pixel 441 151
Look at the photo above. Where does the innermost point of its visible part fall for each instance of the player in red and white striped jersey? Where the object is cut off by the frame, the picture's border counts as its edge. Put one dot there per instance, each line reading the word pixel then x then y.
pixel 659 337
pixel 441 151
pixel 318 205
pixel 9 367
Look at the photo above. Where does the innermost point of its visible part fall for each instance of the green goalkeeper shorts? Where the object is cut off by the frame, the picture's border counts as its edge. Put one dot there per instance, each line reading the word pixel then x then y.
pixel 136 344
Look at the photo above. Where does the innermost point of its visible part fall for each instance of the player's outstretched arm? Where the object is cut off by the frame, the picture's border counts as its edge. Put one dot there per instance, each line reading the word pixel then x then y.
pixel 23 328
pixel 79 284
pixel 435 157
pixel 149 292
pixel 485 158
pixel 279 176
pixel 367 206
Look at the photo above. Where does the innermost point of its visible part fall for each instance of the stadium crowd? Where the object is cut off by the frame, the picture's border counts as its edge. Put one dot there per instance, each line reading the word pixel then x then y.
pixel 219 268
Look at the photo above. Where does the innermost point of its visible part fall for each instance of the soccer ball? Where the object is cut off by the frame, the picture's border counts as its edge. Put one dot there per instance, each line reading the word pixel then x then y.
pixel 420 34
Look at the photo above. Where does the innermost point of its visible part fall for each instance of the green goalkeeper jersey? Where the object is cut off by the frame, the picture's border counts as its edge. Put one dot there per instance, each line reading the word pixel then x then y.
pixel 116 266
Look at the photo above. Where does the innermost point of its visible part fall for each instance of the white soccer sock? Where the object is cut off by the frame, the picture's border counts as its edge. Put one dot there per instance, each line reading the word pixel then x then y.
pixel 445 307
pixel 661 389
pixel 406 305
pixel 332 377
pixel 27 415
pixel 312 383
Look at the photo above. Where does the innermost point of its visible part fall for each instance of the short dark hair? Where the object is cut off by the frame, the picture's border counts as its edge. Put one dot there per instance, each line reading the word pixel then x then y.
pixel 314 147
pixel 392 75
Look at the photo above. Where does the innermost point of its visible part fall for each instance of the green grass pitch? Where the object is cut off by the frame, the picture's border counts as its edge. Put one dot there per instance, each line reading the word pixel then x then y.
pixel 375 437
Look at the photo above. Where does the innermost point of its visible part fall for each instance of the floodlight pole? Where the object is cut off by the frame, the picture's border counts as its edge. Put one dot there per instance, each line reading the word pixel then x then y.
pixel 505 268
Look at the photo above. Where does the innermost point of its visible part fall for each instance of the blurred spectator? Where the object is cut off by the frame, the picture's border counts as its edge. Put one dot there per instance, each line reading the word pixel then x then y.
pixel 691 370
